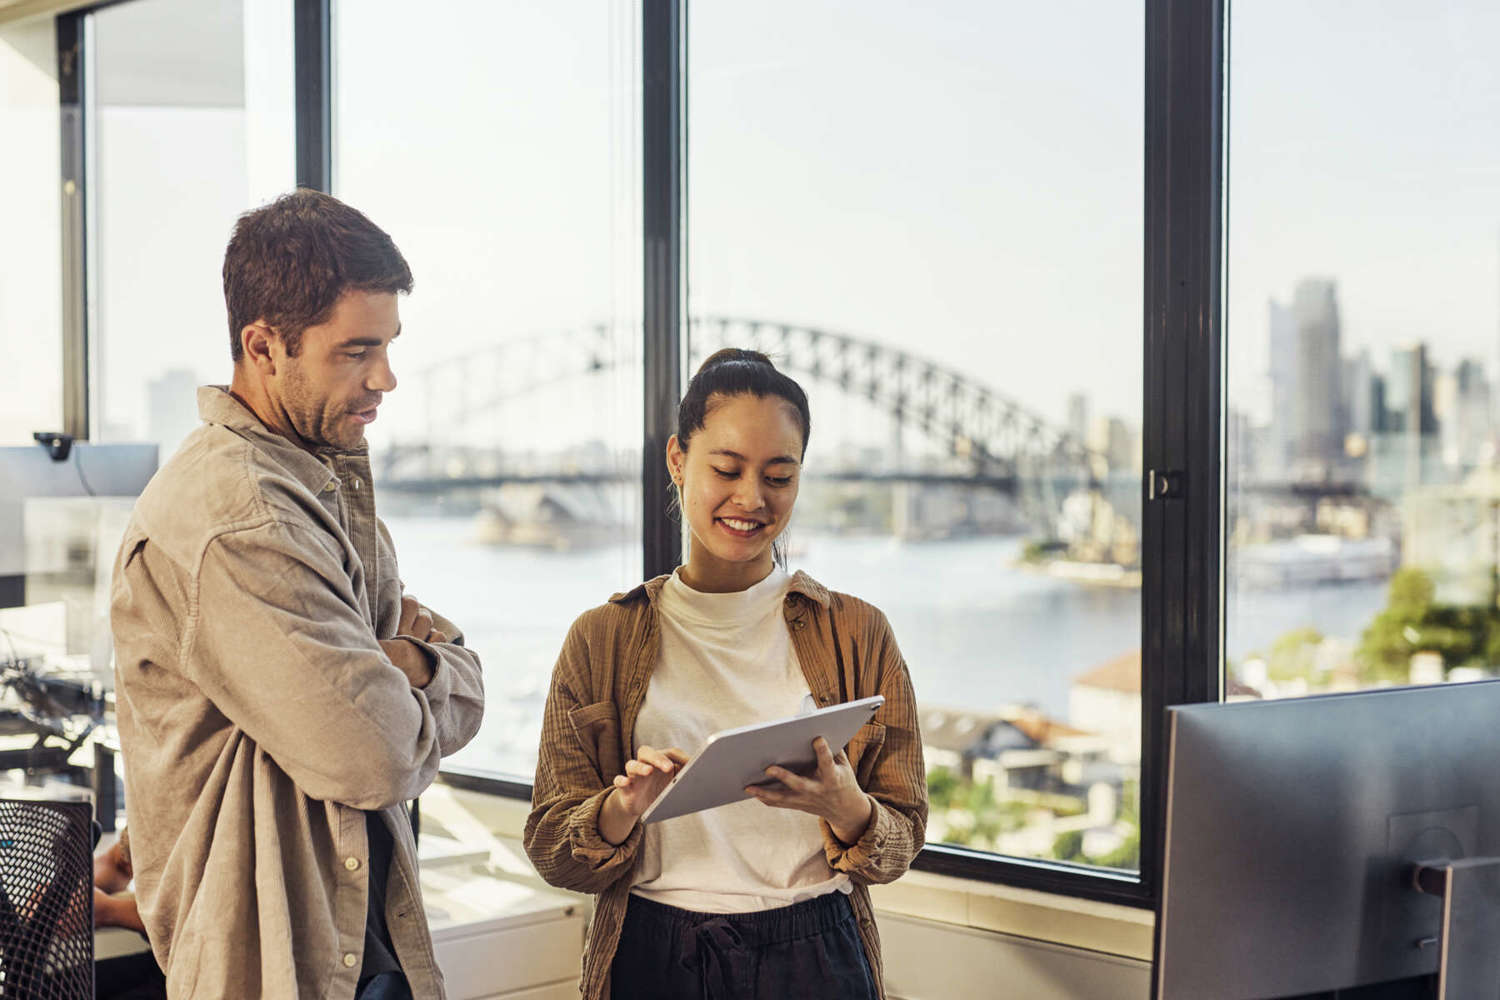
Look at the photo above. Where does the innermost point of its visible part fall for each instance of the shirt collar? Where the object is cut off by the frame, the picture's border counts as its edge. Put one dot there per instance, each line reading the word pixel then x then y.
pixel 312 468
pixel 801 584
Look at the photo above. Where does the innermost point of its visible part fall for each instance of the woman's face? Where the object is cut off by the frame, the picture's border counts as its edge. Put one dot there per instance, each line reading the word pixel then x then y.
pixel 738 480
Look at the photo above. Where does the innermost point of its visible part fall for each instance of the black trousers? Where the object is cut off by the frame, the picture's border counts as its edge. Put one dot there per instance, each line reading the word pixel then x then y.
pixel 385 986
pixel 809 949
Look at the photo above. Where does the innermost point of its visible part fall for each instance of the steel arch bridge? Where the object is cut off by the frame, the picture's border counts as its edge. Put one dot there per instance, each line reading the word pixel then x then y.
pixel 987 438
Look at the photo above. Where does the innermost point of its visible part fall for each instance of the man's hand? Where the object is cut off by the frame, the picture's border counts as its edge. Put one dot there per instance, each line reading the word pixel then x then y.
pixel 410 659
pixel 416 621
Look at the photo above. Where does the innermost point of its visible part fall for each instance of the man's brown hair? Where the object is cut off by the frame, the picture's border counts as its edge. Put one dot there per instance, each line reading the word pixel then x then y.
pixel 288 262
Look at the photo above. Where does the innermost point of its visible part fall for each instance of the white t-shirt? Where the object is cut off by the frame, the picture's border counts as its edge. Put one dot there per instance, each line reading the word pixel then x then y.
pixel 727 660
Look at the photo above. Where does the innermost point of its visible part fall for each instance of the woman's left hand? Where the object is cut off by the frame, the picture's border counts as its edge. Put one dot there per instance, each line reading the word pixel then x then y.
pixel 831 792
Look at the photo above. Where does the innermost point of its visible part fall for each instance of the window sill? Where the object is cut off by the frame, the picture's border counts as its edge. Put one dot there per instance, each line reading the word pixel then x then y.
pixel 1108 928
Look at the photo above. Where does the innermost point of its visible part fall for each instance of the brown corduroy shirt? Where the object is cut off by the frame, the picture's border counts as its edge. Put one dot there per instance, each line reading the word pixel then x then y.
pixel 259 717
pixel 846 650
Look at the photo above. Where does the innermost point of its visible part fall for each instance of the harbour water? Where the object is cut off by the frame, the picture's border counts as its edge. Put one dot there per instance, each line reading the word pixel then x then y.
pixel 975 629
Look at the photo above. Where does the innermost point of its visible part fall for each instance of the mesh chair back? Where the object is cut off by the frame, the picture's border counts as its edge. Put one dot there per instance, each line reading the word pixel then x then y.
pixel 46 900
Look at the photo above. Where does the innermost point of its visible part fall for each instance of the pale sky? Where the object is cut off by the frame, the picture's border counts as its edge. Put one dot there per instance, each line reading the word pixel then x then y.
pixel 966 184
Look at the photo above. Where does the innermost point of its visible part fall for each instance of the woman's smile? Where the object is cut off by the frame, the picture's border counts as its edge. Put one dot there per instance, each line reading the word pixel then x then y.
pixel 740 527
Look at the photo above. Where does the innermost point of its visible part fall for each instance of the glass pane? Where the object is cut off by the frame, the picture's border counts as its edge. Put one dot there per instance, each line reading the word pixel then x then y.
pixel 31 252
pixel 193 124
pixel 506 158
pixel 1363 505
pixel 931 218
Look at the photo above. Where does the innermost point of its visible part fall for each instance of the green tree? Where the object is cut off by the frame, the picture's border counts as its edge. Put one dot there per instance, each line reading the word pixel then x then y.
pixel 1411 622
pixel 1294 654
pixel 942 786
pixel 1068 846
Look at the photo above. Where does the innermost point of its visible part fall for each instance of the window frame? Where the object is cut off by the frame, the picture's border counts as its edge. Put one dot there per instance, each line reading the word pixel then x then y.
pixel 1182 423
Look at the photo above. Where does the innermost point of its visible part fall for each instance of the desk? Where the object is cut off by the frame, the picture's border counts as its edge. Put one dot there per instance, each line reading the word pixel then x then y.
pixel 502 938
pixel 496 937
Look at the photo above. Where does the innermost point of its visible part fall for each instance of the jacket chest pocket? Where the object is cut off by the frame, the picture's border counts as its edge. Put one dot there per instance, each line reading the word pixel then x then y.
pixel 864 750
pixel 598 729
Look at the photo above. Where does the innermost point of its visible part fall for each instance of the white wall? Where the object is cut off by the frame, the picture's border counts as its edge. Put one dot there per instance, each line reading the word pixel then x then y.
pixel 928 960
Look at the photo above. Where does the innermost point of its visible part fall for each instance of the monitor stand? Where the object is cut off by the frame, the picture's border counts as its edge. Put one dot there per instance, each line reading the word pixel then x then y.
pixel 1468 961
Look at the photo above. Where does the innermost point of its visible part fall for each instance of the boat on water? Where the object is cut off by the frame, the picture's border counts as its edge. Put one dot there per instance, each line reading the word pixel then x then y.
pixel 1311 560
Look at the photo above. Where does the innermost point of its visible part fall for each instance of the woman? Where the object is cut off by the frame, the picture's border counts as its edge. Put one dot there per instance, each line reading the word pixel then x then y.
pixel 756 899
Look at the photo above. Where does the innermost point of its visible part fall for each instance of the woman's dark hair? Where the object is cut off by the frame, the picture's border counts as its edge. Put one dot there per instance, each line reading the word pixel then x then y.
pixel 289 262
pixel 734 371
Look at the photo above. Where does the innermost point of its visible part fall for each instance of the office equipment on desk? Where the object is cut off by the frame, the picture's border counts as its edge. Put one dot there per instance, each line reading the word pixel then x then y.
pixel 52 705
pixel 730 760
pixel 63 509
pixel 46 900
pixel 1294 831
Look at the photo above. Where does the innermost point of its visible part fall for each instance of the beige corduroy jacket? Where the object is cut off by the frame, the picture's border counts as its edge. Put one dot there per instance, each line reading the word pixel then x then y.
pixel 260 718
pixel 846 650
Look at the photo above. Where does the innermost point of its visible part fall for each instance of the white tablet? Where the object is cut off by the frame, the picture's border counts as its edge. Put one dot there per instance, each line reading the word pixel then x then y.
pixel 735 758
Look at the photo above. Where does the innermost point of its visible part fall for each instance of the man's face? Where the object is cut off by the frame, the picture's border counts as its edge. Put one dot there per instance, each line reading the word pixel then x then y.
pixel 329 392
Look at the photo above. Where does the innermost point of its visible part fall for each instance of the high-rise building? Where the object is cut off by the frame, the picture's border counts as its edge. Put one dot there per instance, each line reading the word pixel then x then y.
pixel 1364 397
pixel 171 408
pixel 1111 437
pixel 1409 452
pixel 1078 415
pixel 1317 411
pixel 1409 391
pixel 1466 428
pixel 1283 373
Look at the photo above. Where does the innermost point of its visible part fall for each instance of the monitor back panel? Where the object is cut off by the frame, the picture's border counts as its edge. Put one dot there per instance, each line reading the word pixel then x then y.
pixel 1291 827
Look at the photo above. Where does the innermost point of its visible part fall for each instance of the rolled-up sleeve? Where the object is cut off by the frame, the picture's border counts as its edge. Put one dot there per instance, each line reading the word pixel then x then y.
pixel 562 832
pixel 898 780
pixel 456 692
pixel 276 641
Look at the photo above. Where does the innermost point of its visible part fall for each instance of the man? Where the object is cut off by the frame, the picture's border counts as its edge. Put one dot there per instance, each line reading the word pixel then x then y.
pixel 279 698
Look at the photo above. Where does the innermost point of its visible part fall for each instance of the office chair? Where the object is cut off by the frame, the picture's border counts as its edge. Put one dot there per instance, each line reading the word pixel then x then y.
pixel 46 900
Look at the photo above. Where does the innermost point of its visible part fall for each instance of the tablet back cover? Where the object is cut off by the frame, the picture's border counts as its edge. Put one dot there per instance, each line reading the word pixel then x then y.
pixel 735 758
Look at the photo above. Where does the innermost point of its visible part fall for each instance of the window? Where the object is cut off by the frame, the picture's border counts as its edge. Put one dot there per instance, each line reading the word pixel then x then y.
pixel 505 161
pixel 30 281
pixel 1363 506
pixel 932 220
pixel 191 122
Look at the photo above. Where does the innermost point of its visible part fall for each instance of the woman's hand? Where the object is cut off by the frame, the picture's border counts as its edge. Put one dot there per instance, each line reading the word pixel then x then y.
pixel 644 779
pixel 830 792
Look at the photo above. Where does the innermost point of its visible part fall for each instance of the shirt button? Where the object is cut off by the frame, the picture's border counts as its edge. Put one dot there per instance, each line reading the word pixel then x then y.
pixel 330 486
pixel 354 484
pixel 350 960
pixel 352 864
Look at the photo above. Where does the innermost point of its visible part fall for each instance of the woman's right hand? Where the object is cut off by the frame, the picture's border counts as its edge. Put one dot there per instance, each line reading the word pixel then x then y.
pixel 644 779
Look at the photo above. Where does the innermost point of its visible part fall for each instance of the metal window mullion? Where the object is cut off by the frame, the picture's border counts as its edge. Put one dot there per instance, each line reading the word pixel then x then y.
pixel 662 218
pixel 313 69
pixel 1182 542
pixel 72 55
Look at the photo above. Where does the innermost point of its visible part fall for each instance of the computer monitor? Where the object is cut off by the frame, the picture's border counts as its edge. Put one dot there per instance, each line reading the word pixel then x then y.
pixel 1291 832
